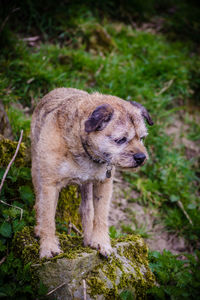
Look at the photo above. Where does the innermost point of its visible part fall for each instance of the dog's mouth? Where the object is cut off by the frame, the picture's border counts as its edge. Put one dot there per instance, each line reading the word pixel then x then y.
pixel 129 168
pixel 131 161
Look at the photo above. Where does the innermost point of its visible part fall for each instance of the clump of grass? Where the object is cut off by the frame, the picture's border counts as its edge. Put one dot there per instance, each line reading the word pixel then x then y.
pixel 177 279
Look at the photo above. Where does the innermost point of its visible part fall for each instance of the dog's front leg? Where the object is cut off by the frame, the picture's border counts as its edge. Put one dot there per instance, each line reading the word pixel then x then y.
pixel 46 202
pixel 102 197
pixel 87 211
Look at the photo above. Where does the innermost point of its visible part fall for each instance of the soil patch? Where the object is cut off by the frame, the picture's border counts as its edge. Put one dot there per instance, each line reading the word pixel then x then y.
pixel 127 213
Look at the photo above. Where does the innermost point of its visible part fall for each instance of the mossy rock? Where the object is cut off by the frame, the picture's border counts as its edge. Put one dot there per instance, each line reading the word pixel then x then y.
pixel 126 268
pixel 97 38
pixel 7 150
pixel 68 206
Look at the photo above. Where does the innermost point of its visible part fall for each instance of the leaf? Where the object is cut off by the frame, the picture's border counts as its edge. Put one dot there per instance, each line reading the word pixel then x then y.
pixel 2 171
pixel 191 206
pixel 18 225
pixel 155 254
pixel 174 198
pixel 113 232
pixel 25 173
pixel 2 246
pixel 26 194
pixel 6 229
pixel 42 289
pixel 2 294
pixel 127 295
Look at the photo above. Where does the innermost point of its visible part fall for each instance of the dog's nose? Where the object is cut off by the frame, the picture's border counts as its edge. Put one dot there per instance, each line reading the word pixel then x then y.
pixel 139 158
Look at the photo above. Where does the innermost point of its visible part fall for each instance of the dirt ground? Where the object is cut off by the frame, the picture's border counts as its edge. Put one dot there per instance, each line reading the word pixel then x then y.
pixel 147 220
pixel 142 219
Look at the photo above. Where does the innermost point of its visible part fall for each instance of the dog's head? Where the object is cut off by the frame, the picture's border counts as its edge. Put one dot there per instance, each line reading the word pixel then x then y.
pixel 114 133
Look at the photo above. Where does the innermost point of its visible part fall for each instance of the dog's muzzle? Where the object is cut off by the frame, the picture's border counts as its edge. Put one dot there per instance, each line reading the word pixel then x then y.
pixel 139 158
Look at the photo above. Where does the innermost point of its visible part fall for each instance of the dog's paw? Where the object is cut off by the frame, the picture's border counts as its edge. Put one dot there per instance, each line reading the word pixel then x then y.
pixel 86 241
pixel 104 248
pixel 49 248
pixel 37 231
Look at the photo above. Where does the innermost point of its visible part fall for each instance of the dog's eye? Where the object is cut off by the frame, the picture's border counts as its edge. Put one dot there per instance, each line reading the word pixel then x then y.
pixel 121 141
pixel 98 128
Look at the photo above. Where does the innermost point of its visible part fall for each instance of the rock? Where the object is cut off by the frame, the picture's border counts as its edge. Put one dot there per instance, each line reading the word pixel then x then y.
pixel 104 278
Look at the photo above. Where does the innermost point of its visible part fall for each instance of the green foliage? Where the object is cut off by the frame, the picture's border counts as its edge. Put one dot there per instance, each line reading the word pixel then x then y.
pixel 19 121
pixel 113 232
pixel 177 278
pixel 179 20
pixel 127 295
pixel 16 280
pixel 16 211
pixel 140 230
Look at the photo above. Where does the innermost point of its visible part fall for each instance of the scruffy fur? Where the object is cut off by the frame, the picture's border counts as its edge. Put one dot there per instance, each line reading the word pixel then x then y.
pixel 76 137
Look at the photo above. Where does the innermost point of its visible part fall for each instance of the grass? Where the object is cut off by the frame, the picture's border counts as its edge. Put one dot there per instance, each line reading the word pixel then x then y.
pixel 176 278
pixel 132 64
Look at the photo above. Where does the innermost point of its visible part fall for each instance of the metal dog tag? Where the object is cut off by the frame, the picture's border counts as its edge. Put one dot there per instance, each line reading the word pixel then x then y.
pixel 108 173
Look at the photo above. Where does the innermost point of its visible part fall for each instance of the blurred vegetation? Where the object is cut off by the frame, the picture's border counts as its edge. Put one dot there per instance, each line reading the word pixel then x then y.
pixel 144 51
pixel 176 278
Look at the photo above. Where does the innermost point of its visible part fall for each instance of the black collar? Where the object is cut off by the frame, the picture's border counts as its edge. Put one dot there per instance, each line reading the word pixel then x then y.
pixel 95 160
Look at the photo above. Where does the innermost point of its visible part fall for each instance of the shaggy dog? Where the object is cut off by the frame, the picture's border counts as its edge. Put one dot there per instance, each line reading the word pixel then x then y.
pixel 79 138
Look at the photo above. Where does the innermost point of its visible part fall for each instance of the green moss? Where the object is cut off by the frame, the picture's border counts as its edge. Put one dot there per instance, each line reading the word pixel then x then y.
pixel 7 150
pixel 26 246
pixel 130 238
pixel 68 205
pixel 72 246
pixel 140 279
pixel 96 37
pixel 136 252
pixel 97 286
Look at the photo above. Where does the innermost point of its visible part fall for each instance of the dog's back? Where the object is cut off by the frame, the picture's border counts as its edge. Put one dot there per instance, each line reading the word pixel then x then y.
pixel 50 103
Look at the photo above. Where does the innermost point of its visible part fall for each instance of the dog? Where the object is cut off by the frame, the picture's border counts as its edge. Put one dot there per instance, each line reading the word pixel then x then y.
pixel 80 138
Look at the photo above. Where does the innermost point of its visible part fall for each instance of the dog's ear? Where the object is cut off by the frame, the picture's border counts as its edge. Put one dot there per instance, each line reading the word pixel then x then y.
pixel 144 112
pixel 99 118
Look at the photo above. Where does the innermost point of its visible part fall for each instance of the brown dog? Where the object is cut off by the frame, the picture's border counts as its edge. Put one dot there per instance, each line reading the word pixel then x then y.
pixel 79 138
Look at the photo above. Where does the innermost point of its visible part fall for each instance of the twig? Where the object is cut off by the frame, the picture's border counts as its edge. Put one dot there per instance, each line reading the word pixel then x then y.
pixel 180 204
pixel 133 24
pixel 99 70
pixel 117 180
pixel 2 260
pixel 7 18
pixel 21 209
pixel 31 38
pixel 76 229
pixel 72 226
pixel 84 290
pixel 69 228
pixel 166 87
pixel 10 163
pixel 49 293
pixel 6 172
